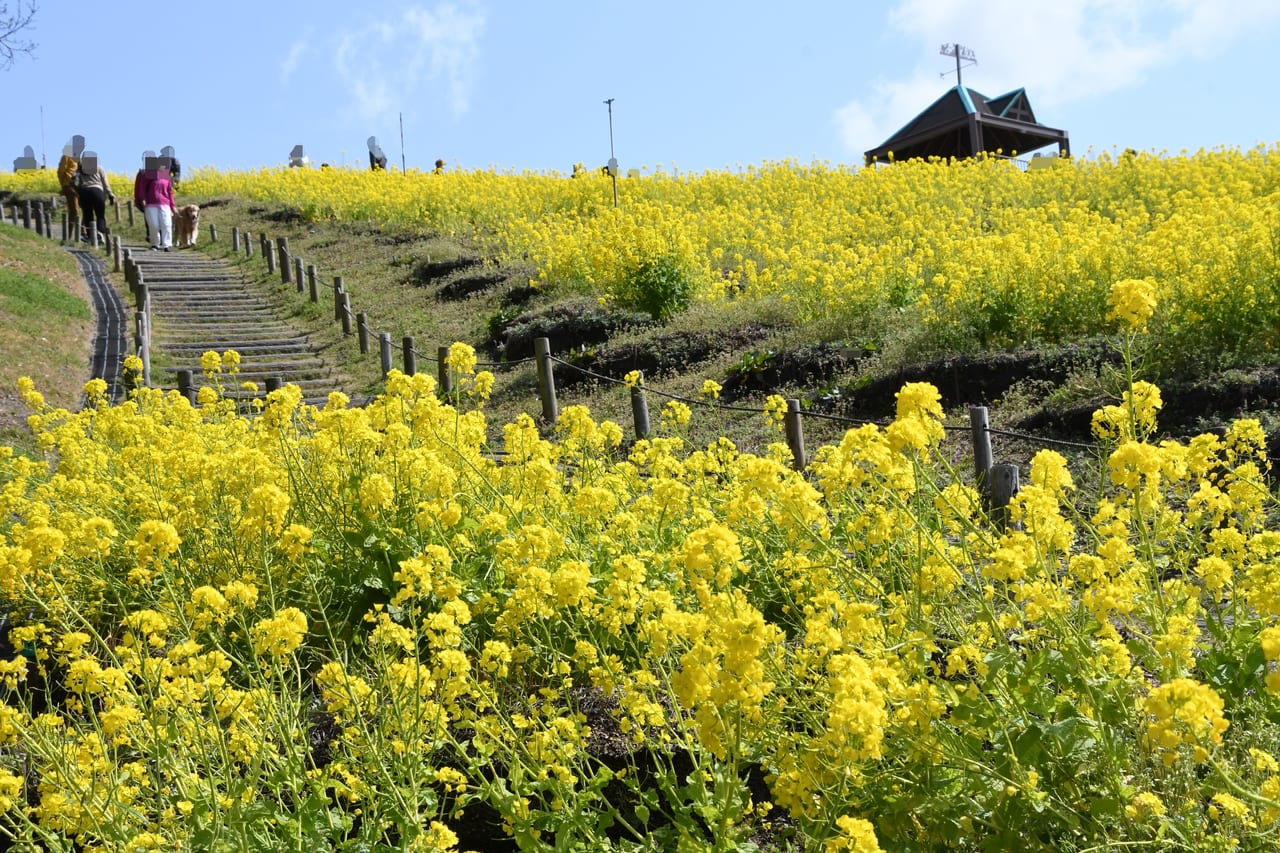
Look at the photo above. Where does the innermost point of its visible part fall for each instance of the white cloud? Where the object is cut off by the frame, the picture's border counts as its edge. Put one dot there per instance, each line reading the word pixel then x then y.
pixel 447 44
pixel 390 63
pixel 293 59
pixel 1061 52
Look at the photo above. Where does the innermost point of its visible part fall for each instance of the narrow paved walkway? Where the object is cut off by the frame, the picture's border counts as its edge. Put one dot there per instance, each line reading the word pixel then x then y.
pixel 110 339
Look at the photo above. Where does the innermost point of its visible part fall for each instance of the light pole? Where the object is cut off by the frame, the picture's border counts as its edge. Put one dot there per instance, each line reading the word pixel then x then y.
pixel 613 161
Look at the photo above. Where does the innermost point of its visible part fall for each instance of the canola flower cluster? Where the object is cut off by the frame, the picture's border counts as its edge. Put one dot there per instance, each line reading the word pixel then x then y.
pixel 969 253
pixel 364 628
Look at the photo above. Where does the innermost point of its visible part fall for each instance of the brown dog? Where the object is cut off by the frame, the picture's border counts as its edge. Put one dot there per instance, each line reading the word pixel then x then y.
pixel 186 225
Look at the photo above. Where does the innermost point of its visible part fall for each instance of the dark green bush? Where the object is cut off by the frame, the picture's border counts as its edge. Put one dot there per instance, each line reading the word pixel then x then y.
pixel 658 286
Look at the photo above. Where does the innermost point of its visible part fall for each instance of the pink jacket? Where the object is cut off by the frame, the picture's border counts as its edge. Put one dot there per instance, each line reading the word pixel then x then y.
pixel 159 190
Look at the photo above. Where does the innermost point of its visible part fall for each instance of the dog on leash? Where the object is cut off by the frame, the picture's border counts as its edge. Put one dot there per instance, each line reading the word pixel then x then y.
pixel 187 225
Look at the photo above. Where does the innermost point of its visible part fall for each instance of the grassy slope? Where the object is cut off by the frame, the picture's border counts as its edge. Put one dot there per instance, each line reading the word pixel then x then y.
pixel 46 327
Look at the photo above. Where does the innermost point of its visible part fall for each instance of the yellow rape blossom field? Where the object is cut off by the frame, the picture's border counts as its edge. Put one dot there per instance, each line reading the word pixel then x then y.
pixel 375 628
pixel 964 255
pixel 360 629
pixel 973 253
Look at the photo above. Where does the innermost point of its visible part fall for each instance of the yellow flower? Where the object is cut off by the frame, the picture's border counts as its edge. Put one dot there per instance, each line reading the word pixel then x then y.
pixel 210 363
pixel 11 788
pixel 281 634
pixel 207 607
pixel 1143 807
pixel 462 358
pixel 1132 301
pixel 376 493
pixel 1183 712
pixel 154 540
pixel 241 593
pixel 1223 805
pixel 775 410
pixel 675 415
pixel 856 836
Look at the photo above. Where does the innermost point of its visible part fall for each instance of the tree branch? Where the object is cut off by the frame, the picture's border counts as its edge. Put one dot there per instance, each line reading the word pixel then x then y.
pixel 10 26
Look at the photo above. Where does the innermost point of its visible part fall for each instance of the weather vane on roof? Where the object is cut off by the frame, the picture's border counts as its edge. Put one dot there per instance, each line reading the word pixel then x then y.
pixel 960 52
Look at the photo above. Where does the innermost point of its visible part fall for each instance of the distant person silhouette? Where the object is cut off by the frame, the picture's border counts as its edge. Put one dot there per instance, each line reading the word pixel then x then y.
pixel 377 160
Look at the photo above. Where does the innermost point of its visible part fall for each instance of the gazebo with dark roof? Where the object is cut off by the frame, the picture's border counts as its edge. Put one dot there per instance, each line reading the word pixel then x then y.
pixel 963 122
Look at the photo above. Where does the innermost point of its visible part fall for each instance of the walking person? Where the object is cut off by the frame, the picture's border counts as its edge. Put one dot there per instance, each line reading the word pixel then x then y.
pixel 157 198
pixel 140 181
pixel 67 167
pixel 94 192
pixel 175 168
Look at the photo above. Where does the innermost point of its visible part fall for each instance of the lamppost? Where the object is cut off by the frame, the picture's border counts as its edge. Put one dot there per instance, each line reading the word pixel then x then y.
pixel 613 161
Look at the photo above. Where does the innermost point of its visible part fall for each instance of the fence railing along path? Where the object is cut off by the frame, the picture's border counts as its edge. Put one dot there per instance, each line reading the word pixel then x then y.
pixel 188 304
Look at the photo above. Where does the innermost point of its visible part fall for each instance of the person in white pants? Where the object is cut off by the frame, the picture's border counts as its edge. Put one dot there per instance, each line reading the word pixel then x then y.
pixel 158 197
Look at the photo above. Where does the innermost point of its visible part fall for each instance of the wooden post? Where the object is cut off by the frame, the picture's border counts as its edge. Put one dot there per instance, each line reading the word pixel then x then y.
pixel 235 238
pixel 269 255
pixel 384 346
pixel 116 249
pixel 346 313
pixel 297 273
pixel 794 428
pixel 186 387
pixel 213 232
pixel 546 380
pixel 247 238
pixel 274 382
pixel 362 329
pixel 981 436
pixel 410 356
pixel 311 282
pixel 129 208
pixel 26 214
pixel 144 350
pixel 444 370
pixel 93 233
pixel 337 298
pixel 39 216
pixel 286 265
pixel 116 206
pixel 1004 485
pixel 640 408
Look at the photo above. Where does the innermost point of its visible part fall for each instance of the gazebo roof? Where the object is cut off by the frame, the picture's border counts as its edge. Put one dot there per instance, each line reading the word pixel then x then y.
pixel 964 122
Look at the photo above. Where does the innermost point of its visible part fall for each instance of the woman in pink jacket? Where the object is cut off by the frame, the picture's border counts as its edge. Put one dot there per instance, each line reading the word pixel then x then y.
pixel 157 196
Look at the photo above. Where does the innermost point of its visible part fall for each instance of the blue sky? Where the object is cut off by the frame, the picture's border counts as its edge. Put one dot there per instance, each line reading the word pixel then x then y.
pixel 696 86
